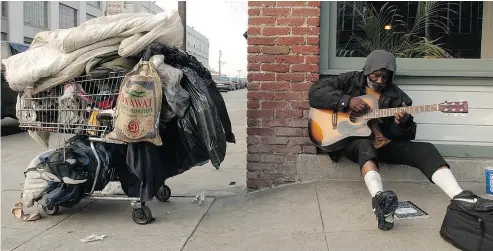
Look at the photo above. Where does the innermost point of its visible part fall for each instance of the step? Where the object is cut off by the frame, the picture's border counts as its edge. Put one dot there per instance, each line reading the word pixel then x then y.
pixel 312 167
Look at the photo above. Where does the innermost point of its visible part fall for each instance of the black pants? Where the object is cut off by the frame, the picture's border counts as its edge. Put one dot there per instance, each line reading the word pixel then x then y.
pixel 421 155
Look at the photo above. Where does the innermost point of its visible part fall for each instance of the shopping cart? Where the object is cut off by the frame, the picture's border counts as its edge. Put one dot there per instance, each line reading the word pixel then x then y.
pixel 82 106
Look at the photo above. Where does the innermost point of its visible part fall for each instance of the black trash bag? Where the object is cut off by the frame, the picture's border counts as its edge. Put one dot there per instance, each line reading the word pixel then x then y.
pixel 202 119
pixel 180 59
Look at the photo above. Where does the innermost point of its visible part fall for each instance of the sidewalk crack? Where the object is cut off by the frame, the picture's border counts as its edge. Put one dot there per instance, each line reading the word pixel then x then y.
pixel 198 224
pixel 321 218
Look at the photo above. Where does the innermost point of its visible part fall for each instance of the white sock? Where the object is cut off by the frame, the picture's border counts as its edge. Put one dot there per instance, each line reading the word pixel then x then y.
pixel 373 182
pixel 444 179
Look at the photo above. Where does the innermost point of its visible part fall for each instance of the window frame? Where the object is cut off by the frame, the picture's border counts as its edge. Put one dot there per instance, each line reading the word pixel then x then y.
pixel 46 16
pixel 76 13
pixel 97 6
pixel 332 65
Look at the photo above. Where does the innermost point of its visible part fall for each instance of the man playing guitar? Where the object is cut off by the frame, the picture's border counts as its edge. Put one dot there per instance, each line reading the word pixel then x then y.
pixel 391 137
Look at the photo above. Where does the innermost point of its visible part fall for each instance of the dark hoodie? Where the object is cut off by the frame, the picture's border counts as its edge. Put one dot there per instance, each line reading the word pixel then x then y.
pixel 335 92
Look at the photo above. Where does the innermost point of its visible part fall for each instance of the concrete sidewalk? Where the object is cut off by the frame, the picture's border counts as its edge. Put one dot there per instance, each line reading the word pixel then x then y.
pixel 331 215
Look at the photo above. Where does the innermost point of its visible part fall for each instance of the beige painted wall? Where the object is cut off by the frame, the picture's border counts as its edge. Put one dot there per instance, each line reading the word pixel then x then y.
pixel 487 39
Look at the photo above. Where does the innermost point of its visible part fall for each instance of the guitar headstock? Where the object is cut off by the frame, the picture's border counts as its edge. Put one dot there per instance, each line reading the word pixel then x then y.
pixel 454 107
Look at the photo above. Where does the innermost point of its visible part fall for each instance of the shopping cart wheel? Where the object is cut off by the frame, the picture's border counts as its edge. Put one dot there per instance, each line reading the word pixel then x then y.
pixel 164 193
pixel 142 215
pixel 53 211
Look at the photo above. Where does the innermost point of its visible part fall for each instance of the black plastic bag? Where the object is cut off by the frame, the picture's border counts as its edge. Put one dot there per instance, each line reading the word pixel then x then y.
pixel 202 120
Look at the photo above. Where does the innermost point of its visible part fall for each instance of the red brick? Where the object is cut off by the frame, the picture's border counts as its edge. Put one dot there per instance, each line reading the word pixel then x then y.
pixel 306 12
pixel 312 40
pixel 273 158
pixel 291 40
pixel 288 113
pixel 309 49
pixel 291 3
pixel 252 13
pixel 273 140
pixel 270 76
pixel 275 67
pixel 287 149
pixel 253 104
pixel 261 40
pixel 261 58
pixel 312 77
pixel 304 68
pixel 305 31
pixel 300 141
pixel 313 3
pixel 310 60
pixel 300 86
pixel 260 148
pixel 291 21
pixel 253 31
pixel 253 67
pixel 274 122
pixel 253 122
pixel 252 175
pixel 298 123
pixel 253 49
pixel 260 166
pixel 278 12
pixel 260 113
pixel 306 114
pixel 292 59
pixel 253 157
pixel 287 131
pixel 270 176
pixel 258 184
pixel 260 95
pixel 260 131
pixel 252 139
pixel 275 105
pixel 313 21
pixel 288 96
pixel 290 77
pixel 300 104
pixel 253 87
pixel 275 31
pixel 275 50
pixel 274 86
pixel 261 21
pixel 261 3
pixel 309 149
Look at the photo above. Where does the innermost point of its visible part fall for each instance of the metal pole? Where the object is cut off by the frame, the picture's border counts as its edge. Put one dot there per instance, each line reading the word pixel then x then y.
pixel 182 10
pixel 220 54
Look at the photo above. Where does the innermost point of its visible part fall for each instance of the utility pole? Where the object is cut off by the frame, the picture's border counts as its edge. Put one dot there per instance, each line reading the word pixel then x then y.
pixel 182 11
pixel 239 72
pixel 220 62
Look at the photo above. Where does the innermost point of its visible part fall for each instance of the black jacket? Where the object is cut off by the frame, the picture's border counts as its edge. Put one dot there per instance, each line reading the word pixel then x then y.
pixel 334 94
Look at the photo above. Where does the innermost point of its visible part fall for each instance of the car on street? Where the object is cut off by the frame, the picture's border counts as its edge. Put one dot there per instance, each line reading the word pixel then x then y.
pixel 224 83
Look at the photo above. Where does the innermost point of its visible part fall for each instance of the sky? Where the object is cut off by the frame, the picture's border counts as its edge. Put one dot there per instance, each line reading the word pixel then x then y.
pixel 223 23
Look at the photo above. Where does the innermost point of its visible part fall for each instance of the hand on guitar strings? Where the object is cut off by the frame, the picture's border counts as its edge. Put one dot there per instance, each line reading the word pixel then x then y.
pixel 402 117
pixel 357 104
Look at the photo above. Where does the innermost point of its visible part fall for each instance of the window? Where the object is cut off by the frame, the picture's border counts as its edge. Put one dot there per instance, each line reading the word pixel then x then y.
pixel 68 17
pixel 36 13
pixel 439 33
pixel 4 9
pixel 28 40
pixel 96 4
pixel 89 17
pixel 146 10
pixel 5 36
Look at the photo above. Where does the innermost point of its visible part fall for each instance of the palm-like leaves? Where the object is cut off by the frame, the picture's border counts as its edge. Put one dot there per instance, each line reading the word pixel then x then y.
pixel 400 40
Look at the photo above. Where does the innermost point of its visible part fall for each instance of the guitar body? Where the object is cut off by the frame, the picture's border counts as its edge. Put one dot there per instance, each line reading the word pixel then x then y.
pixel 330 132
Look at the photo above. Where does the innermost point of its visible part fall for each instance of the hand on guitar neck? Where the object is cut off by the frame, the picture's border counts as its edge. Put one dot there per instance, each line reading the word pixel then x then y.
pixel 402 117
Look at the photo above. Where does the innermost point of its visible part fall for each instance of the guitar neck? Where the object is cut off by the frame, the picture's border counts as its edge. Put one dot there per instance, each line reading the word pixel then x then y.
pixel 389 112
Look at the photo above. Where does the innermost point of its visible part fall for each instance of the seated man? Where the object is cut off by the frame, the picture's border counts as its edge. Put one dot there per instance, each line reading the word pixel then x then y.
pixel 390 140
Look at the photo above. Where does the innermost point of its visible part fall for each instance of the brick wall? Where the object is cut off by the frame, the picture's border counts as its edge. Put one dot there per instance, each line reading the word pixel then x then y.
pixel 283 48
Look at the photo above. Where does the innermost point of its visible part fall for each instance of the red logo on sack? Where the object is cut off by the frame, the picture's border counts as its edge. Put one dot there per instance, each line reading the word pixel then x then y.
pixel 133 127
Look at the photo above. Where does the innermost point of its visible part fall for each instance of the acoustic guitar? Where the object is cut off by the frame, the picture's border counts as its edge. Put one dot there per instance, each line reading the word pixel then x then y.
pixel 330 130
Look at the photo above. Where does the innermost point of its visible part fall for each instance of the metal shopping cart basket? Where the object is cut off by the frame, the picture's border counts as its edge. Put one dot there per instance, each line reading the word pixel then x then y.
pixel 83 106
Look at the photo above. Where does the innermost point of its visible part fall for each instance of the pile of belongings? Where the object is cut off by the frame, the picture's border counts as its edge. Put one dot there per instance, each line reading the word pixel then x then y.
pixel 192 123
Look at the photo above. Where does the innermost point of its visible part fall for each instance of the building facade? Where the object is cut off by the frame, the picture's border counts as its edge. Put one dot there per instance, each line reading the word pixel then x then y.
pixel 292 44
pixel 22 20
pixel 198 46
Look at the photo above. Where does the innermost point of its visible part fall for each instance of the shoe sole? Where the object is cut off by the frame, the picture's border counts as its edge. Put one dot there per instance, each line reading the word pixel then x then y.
pixel 386 208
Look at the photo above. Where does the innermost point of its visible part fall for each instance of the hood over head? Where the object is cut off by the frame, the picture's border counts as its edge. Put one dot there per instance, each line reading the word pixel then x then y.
pixel 379 59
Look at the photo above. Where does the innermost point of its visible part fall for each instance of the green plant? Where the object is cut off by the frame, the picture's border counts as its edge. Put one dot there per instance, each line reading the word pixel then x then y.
pixel 400 40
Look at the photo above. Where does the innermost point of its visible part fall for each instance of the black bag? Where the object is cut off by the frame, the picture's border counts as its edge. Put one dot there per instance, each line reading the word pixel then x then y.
pixel 469 226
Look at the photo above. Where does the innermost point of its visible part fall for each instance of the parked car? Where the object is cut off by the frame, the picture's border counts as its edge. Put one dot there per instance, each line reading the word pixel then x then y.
pixel 9 97
pixel 225 83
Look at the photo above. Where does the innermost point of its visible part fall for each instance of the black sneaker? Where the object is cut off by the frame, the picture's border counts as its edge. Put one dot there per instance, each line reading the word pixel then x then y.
pixel 384 206
pixel 466 196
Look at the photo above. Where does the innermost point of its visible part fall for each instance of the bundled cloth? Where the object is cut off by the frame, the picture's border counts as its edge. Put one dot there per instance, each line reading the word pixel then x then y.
pixel 57 56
